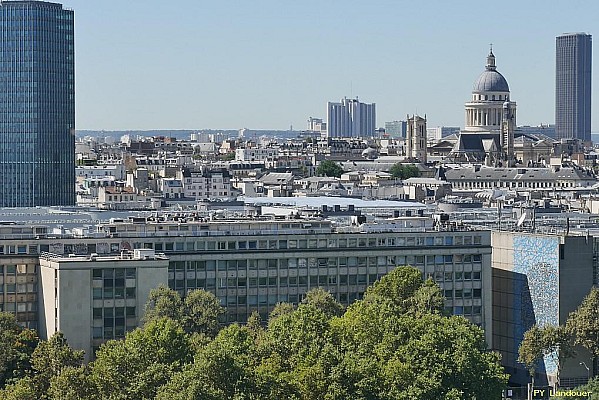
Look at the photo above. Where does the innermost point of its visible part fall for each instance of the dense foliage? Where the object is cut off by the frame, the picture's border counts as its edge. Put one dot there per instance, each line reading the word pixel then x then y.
pixel 404 171
pixel 396 343
pixel 329 168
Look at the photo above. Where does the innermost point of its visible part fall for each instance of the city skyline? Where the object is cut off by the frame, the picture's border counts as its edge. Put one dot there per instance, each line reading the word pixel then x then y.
pixel 187 67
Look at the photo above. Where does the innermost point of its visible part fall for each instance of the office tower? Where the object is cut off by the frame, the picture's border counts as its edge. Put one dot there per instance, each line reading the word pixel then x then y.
pixel 573 86
pixel 396 129
pixel 37 104
pixel 350 118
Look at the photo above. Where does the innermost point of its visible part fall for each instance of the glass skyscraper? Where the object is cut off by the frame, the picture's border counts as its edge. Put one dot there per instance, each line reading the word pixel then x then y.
pixel 37 104
pixel 573 86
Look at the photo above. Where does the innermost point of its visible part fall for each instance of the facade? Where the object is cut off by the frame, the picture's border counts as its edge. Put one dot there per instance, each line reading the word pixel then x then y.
pixel 37 104
pixel 93 299
pixel 539 279
pixel 396 129
pixel 250 264
pixel 256 154
pixel 205 184
pixel 573 54
pixel 477 178
pixel 351 119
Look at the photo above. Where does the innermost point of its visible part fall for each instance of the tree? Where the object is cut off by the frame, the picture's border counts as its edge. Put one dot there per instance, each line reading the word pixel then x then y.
pixel 201 313
pixel 16 347
pixel 73 383
pixel 329 168
pixel 23 389
pixel 583 324
pixel 324 301
pixel 197 314
pixel 531 349
pixel 164 302
pixel 405 289
pixel 557 346
pixel 397 347
pixel 48 360
pixel 134 368
pixel 404 171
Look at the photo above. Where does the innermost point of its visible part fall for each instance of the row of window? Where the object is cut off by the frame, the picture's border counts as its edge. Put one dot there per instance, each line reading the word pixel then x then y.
pixel 309 281
pixel 18 269
pixel 273 244
pixel 462 294
pixel 313 262
pixel 10 288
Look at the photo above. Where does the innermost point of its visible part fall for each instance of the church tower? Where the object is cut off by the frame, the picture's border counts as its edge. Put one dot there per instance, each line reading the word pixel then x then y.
pixel 416 138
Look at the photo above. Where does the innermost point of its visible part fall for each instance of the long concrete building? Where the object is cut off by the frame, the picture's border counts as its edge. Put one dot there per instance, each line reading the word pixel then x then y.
pixel 250 264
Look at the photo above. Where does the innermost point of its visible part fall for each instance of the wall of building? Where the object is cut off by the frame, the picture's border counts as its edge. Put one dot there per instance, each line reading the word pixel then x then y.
pixel 535 277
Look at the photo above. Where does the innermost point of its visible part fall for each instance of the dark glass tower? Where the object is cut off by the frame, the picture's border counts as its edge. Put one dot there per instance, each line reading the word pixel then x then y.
pixel 37 104
pixel 573 86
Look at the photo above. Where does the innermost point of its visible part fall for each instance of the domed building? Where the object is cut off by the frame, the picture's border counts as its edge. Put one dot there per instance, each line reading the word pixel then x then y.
pixel 488 135
pixel 484 112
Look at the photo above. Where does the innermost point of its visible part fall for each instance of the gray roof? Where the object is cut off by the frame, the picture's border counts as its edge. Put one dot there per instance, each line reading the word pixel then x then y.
pixel 490 81
pixel 276 178
pixel 523 174
pixel 330 201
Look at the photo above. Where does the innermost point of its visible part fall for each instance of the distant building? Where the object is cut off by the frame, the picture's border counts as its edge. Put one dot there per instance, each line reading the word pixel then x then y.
pixel 573 54
pixel 351 119
pixel 396 129
pixel 205 184
pixel 547 130
pixel 37 139
pixel 317 125
pixel 438 133
pixel 256 154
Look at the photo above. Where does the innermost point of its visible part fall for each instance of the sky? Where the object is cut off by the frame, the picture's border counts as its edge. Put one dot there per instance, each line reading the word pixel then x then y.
pixel 271 64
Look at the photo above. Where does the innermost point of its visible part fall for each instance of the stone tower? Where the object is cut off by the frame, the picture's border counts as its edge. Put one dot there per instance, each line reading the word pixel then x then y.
pixel 416 138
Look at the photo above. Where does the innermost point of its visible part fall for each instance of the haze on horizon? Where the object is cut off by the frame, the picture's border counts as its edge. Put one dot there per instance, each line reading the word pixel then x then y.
pixel 270 64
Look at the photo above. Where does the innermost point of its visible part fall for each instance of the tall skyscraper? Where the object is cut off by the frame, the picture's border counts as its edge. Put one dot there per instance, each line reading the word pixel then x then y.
pixel 350 118
pixel 573 86
pixel 37 104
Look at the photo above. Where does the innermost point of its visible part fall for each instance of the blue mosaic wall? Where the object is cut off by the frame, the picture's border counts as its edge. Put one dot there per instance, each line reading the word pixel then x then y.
pixel 536 285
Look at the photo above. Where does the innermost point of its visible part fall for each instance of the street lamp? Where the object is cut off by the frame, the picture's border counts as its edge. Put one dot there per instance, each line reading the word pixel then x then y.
pixel 588 371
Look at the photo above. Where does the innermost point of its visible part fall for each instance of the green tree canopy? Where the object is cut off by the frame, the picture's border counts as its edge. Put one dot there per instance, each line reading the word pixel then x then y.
pixel 583 324
pixel 395 343
pixel 404 171
pixel 134 368
pixel 329 168
pixel 197 314
pixel 16 347
pixel 48 360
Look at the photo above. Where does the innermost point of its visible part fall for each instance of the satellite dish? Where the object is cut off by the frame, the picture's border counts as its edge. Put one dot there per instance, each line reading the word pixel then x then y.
pixel 521 219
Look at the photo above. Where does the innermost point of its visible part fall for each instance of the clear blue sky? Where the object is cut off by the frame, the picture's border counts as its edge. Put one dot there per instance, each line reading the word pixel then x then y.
pixel 266 64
